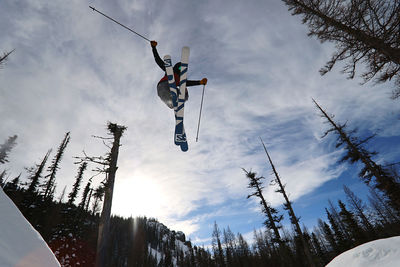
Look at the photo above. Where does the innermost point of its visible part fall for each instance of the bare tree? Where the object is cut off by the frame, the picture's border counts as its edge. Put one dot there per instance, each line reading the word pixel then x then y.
pixel 288 206
pixel 108 166
pixel 366 31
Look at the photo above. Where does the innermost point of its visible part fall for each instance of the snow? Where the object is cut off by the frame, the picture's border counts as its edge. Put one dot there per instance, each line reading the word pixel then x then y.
pixel 155 253
pixel 382 253
pixel 20 244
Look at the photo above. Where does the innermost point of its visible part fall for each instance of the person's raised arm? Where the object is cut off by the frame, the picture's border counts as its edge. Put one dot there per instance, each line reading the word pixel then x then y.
pixel 194 83
pixel 157 57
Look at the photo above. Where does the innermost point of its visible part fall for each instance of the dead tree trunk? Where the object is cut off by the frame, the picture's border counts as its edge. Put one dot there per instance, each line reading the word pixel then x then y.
pixel 288 205
pixel 104 225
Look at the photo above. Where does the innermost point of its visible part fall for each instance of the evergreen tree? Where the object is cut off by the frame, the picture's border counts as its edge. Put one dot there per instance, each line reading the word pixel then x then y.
pixel 13 185
pixel 75 187
pixel 334 213
pixel 329 236
pixel 61 198
pixel 351 223
pixel 355 152
pixel 36 174
pixel 4 57
pixel 86 191
pixel 319 251
pixel 98 197
pixel 229 244
pixel 363 31
pixel 273 220
pixel 342 244
pixel 2 176
pixel 387 210
pixel 243 251
pixel 359 208
pixel 6 148
pixel 217 246
pixel 52 169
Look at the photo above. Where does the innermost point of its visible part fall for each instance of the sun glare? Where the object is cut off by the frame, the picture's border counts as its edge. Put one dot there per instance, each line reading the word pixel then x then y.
pixel 138 196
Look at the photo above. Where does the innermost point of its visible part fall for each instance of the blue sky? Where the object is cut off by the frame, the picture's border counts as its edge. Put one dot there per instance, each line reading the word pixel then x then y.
pixel 73 70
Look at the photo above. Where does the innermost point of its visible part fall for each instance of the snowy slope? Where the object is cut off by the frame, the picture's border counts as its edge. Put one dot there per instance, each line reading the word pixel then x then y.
pixel 20 244
pixel 382 253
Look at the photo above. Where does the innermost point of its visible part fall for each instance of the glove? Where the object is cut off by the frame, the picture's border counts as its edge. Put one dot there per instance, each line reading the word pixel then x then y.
pixel 153 43
pixel 203 81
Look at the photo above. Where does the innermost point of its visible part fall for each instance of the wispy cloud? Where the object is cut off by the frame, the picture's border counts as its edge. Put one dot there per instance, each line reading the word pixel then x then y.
pixel 73 70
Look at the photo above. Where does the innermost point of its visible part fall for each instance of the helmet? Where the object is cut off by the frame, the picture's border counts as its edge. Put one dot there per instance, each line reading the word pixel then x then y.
pixel 177 67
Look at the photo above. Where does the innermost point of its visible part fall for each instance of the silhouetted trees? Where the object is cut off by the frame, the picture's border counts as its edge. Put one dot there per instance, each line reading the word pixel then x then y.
pixel 364 31
pixel 52 169
pixel 288 206
pixel 76 186
pixel 4 57
pixel 6 148
pixel 372 173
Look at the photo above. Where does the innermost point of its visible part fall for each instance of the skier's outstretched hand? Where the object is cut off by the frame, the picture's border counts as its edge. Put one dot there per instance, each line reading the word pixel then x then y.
pixel 153 43
pixel 203 81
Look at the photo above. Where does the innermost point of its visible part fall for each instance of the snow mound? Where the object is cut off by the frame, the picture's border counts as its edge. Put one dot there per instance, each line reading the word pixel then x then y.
pixel 20 244
pixel 382 253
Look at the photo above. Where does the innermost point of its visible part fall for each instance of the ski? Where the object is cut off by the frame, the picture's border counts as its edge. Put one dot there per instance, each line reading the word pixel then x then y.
pixel 179 128
pixel 179 136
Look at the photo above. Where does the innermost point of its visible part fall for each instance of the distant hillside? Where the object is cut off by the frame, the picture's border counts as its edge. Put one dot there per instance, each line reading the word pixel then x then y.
pixel 71 233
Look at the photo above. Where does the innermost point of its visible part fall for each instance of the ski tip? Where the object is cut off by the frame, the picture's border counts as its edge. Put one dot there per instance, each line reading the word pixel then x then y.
pixel 184 147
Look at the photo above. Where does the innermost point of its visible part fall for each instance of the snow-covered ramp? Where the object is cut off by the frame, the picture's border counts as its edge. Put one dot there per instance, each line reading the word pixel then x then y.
pixel 378 253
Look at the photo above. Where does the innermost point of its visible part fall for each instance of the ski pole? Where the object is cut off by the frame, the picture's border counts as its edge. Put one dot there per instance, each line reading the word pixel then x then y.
pixel 94 9
pixel 201 107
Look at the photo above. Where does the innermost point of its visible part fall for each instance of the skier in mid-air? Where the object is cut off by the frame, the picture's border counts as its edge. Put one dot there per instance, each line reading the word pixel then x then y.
pixel 163 90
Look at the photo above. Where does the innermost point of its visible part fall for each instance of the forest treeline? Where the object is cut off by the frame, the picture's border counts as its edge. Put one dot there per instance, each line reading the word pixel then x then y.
pixel 366 36
pixel 69 224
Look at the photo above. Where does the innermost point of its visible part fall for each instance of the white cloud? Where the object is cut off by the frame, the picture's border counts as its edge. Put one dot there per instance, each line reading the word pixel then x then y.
pixel 74 70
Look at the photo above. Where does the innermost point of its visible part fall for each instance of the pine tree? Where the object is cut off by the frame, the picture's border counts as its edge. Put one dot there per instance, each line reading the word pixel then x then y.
pixel 36 174
pixel 52 169
pixel 98 197
pixel 229 244
pixel 243 250
pixel 363 31
pixel 390 214
pixel 13 185
pixel 355 152
pixel 319 251
pixel 4 57
pixel 359 208
pixel 86 191
pixel 334 213
pixel 61 198
pixel 329 236
pixel 288 206
pixel 273 220
pixel 75 187
pixel 342 244
pixel 217 246
pixel 6 148
pixel 351 223
pixel 2 176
